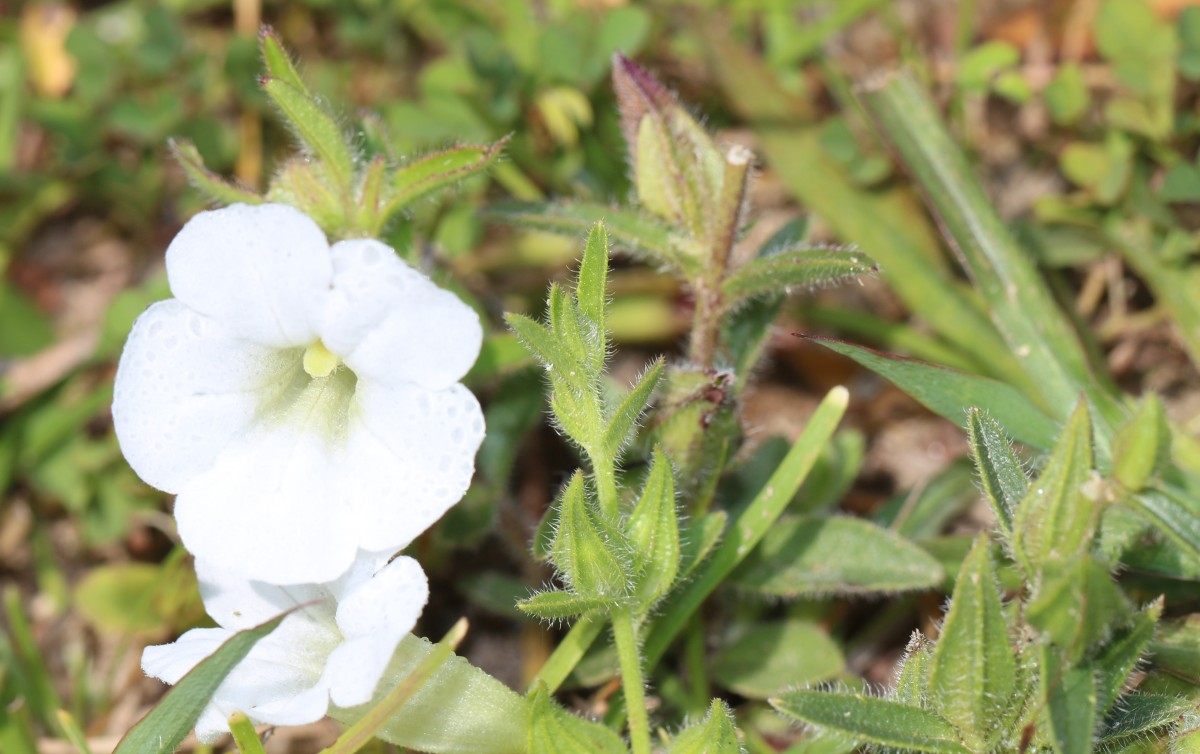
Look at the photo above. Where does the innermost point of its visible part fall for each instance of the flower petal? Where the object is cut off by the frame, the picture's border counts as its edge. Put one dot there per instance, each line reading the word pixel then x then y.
pixel 273 507
pixel 264 271
pixel 236 603
pixel 388 603
pixel 390 323
pixel 184 387
pixel 410 456
pixel 171 662
pixel 354 668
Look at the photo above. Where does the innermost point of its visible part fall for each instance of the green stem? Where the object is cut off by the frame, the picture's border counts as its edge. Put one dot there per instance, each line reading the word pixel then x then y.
pixel 625 637
pixel 568 653
pixel 605 472
pixel 695 656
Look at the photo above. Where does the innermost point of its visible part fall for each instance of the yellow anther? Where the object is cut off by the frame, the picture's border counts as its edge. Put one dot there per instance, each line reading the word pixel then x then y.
pixel 319 361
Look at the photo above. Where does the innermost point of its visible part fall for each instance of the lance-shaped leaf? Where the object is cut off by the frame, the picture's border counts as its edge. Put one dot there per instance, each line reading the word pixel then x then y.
pixel 188 157
pixel 716 735
pixel 573 332
pixel 1076 605
pixel 1176 648
pixel 876 721
pixel 573 398
pixel 1138 717
pixel 590 552
pixel 999 471
pixel 780 273
pixel 553 730
pixel 556 605
pixel 1121 655
pixel 768 658
pixel 1142 445
pixel 643 236
pixel 316 128
pixel 949 393
pixel 1056 519
pixel 698 540
pixel 277 61
pixel 439 170
pixel 1069 692
pixel 592 288
pixel 165 727
pixel 809 556
pixel 653 530
pixel 1176 515
pixel 973 672
pixel 623 421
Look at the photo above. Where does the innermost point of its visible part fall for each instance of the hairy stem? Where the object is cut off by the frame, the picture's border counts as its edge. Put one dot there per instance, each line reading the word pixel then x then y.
pixel 630 660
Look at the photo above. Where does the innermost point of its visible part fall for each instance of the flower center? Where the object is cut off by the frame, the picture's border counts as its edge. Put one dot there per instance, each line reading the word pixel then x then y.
pixel 319 361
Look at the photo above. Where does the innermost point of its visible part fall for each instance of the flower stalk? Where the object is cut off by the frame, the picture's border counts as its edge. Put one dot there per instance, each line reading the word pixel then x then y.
pixel 629 659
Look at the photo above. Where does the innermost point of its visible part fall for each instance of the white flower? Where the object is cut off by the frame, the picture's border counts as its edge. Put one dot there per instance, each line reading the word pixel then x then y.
pixel 301 401
pixel 335 647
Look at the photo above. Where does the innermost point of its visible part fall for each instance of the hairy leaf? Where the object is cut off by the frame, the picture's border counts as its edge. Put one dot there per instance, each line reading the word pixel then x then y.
pixel 1000 472
pixel 877 721
pixel 773 656
pixel 782 272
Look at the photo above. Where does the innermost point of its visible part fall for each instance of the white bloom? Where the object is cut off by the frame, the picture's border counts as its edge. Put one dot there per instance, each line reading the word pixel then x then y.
pixel 335 647
pixel 301 401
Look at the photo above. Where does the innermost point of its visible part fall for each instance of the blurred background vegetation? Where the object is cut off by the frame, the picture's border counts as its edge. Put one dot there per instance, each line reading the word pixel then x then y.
pixel 1080 118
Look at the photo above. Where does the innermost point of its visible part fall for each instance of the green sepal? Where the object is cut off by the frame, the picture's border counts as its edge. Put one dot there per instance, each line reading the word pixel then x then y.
pixel 623 421
pixel 302 184
pixel 553 730
pixel 1069 694
pixel 1076 605
pixel 810 556
pixel 437 171
pixel 277 61
pixel 165 727
pixel 653 530
pixel 973 673
pixel 1056 519
pixel 780 273
pixel 698 540
pixel 370 195
pixel 591 554
pixel 317 130
pixel 1119 657
pixel 873 720
pixel 999 471
pixel 717 734
pixel 912 676
pixel 1142 445
pixel 556 605
pixel 188 157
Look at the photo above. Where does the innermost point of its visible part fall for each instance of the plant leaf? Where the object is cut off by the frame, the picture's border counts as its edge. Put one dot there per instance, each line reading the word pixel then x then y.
pixel 653 530
pixel 1120 656
pixel 774 656
pixel 188 157
pixel 165 727
pixel 1174 514
pixel 557 605
pixel 1070 711
pixel 779 273
pixel 317 130
pixel 949 393
pixel 715 735
pixel 999 471
pixel 809 556
pixel 1142 445
pixel 277 61
pixel 590 553
pixel 973 672
pixel 877 721
pixel 439 170
pixel 1138 716
pixel 553 730
pixel 623 421
pixel 592 289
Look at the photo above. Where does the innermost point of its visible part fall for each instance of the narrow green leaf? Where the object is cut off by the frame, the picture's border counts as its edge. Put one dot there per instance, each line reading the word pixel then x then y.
pixel 569 329
pixel 1016 293
pixel 1057 518
pixel 553 730
pixel 316 129
pixel 653 530
pixel 173 718
pixel 558 605
pixel 37 685
pixel 698 540
pixel 912 678
pixel 877 721
pixel 437 171
pixel 1076 605
pixel 188 157
pixel 716 735
pixel 1142 445
pixel 1120 656
pixel 277 61
pixel 1176 648
pixel 973 672
pixel 751 524
pixel 950 393
pixel 1000 472
pixel 592 289
pixel 780 273
pixel 771 657
pixel 1174 514
pixel 643 236
pixel 72 731
pixel 365 729
pixel 590 553
pixel 623 422
pixel 808 556
pixel 1139 716
pixel 541 343
pixel 244 736
pixel 1070 711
